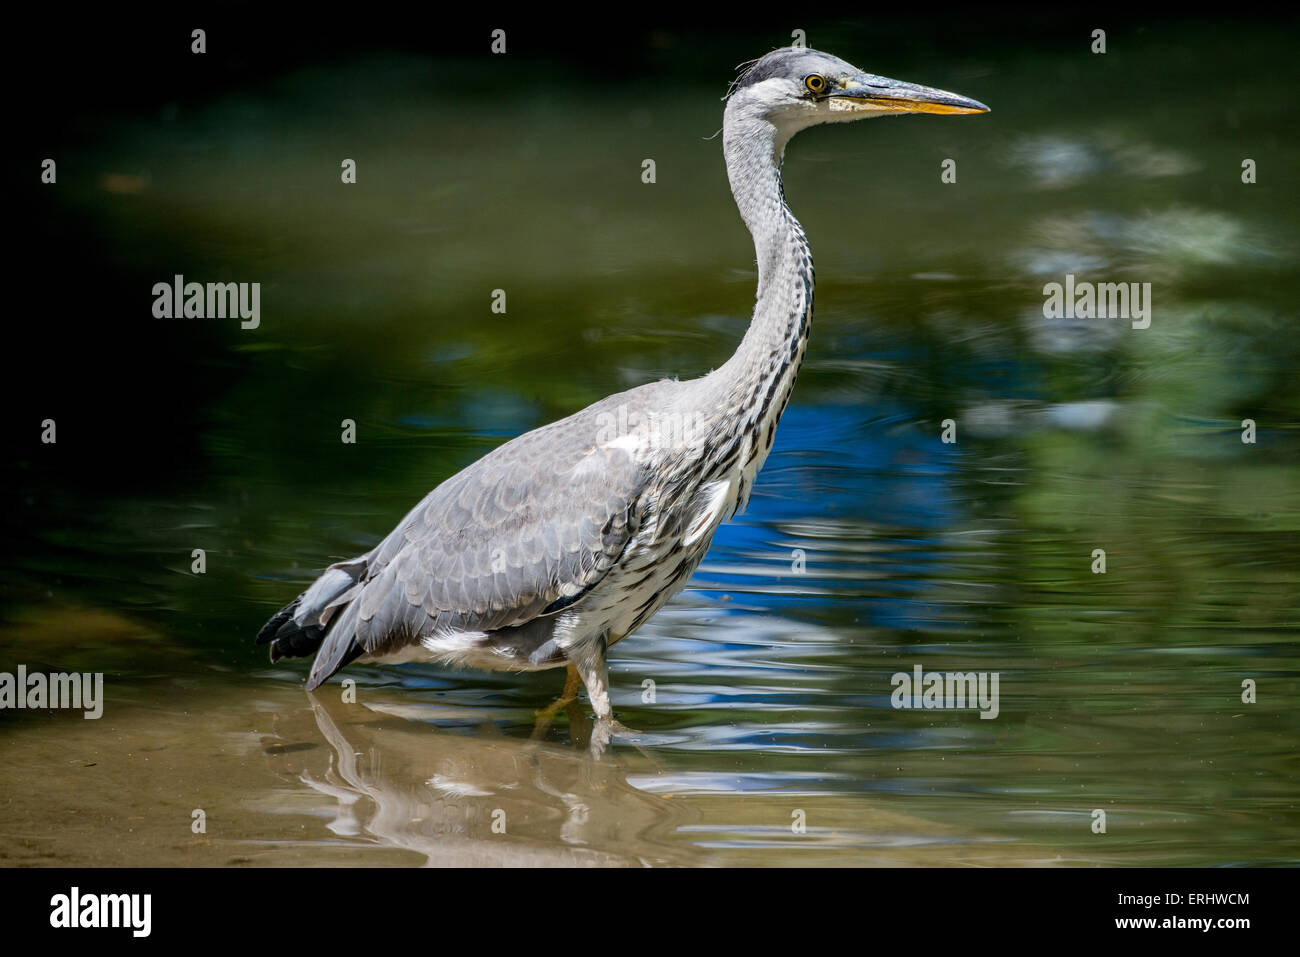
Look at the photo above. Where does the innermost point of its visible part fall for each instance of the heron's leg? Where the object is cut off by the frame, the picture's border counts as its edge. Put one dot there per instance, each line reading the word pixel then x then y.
pixel 572 682
pixel 589 659
pixel 566 701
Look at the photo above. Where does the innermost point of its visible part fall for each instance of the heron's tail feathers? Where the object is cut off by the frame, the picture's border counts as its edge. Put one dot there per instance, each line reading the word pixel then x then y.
pixel 322 618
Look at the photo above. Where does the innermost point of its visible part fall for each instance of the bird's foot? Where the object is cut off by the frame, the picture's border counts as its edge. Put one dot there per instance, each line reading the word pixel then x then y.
pixel 555 707
pixel 619 728
pixel 545 717
pixel 604 730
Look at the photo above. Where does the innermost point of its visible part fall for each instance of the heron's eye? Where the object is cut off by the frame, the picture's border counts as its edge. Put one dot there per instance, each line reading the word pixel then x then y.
pixel 815 82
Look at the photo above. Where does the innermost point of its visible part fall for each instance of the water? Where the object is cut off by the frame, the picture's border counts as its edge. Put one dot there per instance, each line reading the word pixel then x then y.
pixel 1119 692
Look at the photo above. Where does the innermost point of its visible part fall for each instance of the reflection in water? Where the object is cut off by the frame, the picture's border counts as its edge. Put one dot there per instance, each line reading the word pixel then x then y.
pixel 460 800
pixel 483 797
pixel 1056 161
pixel 1166 245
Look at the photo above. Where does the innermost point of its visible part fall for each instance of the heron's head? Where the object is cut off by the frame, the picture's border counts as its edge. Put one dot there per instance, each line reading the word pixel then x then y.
pixel 794 88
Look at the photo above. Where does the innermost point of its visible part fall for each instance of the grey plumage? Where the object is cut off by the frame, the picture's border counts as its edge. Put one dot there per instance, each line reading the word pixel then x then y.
pixel 564 540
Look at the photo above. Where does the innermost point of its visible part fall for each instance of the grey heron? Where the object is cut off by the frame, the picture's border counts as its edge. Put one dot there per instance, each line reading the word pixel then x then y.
pixel 565 540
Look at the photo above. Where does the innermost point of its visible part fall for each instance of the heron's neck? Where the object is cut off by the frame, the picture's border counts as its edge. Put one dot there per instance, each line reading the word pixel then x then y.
pixel 762 371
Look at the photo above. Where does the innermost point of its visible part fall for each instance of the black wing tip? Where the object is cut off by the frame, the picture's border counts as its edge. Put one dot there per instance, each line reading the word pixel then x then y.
pixel 271 629
pixel 287 638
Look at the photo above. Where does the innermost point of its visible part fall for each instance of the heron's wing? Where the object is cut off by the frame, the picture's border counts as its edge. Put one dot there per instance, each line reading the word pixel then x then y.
pixel 522 532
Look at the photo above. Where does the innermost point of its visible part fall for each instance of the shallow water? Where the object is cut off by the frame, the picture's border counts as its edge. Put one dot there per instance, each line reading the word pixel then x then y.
pixel 870 546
